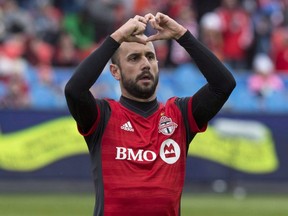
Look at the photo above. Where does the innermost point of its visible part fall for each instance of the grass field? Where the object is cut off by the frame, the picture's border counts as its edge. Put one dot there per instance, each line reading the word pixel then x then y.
pixel 192 205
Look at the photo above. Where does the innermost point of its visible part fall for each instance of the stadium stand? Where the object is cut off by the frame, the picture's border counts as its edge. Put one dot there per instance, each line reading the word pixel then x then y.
pixel 38 53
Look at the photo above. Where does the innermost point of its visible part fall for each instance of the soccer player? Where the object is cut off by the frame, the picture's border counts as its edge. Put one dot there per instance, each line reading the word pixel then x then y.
pixel 138 146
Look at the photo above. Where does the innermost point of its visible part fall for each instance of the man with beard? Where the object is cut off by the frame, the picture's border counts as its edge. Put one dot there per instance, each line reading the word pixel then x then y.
pixel 138 146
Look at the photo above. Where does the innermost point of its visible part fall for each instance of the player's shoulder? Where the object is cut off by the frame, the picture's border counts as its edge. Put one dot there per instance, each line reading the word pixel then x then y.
pixel 170 100
pixel 105 102
pixel 112 103
pixel 177 100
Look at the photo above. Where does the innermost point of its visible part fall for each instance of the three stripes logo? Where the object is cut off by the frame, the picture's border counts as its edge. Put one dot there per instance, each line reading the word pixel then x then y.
pixel 127 127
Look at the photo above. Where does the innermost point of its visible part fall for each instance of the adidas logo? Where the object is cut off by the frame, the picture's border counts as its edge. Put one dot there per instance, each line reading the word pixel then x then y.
pixel 127 126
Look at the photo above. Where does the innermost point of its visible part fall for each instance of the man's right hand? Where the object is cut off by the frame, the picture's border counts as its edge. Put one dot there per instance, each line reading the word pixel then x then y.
pixel 131 31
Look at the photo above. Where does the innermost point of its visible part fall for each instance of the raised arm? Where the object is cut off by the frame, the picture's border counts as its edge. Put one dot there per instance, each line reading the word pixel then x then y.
pixel 80 100
pixel 207 102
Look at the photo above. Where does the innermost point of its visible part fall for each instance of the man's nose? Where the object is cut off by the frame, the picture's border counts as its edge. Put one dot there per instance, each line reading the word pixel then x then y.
pixel 146 63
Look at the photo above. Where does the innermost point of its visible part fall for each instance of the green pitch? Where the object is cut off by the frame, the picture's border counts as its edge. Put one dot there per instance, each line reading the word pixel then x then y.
pixel 192 205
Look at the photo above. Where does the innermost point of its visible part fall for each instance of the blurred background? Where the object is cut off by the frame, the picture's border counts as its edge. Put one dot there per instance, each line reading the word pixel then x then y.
pixel 245 148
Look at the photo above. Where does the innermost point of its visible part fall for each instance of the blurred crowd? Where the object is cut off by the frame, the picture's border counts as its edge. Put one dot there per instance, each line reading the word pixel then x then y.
pixel 48 34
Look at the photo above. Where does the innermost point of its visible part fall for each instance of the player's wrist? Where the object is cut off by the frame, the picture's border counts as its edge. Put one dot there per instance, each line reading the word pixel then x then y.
pixel 179 33
pixel 117 36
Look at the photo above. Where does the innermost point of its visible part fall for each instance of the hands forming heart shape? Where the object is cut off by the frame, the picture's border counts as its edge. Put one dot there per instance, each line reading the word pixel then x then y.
pixel 134 28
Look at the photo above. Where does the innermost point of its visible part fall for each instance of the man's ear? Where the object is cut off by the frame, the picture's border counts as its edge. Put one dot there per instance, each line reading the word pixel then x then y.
pixel 115 71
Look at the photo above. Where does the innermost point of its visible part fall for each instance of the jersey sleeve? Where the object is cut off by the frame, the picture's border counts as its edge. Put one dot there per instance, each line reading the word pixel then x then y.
pixel 191 119
pixel 104 112
pixel 94 125
pixel 96 131
pixel 80 101
pixel 185 106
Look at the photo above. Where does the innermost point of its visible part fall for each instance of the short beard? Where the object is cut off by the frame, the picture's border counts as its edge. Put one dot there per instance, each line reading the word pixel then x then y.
pixel 139 91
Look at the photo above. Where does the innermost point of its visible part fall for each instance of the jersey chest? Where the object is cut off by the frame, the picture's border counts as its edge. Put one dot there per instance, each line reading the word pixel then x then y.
pixel 144 158
pixel 136 139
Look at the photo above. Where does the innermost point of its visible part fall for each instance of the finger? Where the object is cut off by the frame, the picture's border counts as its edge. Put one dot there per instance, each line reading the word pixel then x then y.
pixel 140 19
pixel 159 17
pixel 153 37
pixel 155 24
pixel 140 29
pixel 149 16
pixel 140 39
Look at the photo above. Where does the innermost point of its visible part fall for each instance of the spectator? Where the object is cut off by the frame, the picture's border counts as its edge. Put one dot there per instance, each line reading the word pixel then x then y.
pixel 210 33
pixel 39 52
pixel 66 54
pixel 16 20
pixel 187 18
pixel 204 6
pixel 175 8
pixel 264 82
pixel 237 32
pixel 263 30
pixel 279 44
pixel 12 73
pixel 17 93
pixel 82 29
pixel 281 56
pixel 105 15
pixel 47 22
pixel 69 6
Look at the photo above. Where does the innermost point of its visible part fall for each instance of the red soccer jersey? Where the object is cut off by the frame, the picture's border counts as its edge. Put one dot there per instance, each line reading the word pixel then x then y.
pixel 139 162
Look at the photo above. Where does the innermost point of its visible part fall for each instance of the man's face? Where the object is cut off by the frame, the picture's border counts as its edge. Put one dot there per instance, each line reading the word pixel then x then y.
pixel 139 70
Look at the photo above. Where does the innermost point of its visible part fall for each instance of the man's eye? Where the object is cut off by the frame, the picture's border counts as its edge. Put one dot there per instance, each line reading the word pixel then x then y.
pixel 133 58
pixel 151 57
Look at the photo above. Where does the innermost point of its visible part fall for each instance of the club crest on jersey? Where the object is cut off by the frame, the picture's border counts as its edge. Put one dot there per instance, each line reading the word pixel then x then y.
pixel 167 126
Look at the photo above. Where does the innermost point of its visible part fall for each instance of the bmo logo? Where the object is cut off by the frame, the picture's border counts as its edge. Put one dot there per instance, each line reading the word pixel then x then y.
pixel 130 155
pixel 170 151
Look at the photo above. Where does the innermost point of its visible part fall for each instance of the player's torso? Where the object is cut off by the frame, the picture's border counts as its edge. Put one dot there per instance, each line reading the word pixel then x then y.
pixel 143 161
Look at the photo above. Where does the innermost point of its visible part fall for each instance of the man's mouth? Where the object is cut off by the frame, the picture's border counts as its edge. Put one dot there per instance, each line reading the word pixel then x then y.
pixel 145 76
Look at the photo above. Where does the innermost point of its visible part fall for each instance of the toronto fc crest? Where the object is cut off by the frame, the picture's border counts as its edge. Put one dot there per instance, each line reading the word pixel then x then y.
pixel 167 126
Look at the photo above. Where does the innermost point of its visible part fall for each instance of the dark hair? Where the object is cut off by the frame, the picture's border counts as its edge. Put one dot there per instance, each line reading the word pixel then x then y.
pixel 115 58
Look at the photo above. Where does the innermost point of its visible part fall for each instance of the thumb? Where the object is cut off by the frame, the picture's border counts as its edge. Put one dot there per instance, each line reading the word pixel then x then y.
pixel 153 37
pixel 140 39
